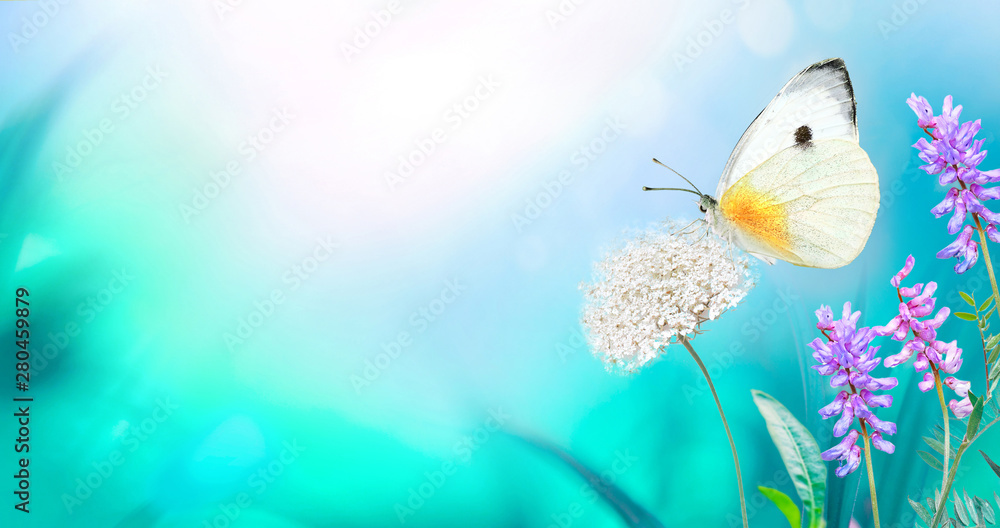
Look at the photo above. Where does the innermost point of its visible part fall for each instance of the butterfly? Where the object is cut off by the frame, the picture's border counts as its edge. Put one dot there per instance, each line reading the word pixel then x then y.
pixel 798 187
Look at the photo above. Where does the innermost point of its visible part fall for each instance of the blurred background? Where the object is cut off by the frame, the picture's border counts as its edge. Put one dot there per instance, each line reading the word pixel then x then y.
pixel 299 264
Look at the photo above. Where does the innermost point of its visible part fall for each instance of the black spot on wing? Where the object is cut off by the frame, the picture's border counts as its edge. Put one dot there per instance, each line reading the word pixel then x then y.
pixel 803 135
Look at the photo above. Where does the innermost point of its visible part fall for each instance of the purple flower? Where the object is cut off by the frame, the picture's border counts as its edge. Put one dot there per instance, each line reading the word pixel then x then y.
pixel 954 154
pixel 921 304
pixel 930 352
pixel 848 358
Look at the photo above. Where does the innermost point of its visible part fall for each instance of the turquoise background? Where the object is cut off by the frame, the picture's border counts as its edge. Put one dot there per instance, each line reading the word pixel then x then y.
pixel 163 410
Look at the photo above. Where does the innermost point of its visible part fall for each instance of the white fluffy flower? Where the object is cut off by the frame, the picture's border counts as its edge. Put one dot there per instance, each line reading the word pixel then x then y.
pixel 659 286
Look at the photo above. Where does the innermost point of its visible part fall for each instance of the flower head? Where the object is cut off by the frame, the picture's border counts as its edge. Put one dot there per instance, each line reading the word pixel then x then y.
pixel 846 355
pixel 930 353
pixel 954 155
pixel 657 287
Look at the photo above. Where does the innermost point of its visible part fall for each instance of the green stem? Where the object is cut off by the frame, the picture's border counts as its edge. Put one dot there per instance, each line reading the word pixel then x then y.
pixel 986 257
pixel 732 444
pixel 947 435
pixel 993 283
pixel 871 475
pixel 942 507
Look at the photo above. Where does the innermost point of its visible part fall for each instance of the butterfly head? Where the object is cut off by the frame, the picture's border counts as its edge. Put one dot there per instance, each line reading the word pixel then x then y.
pixel 706 203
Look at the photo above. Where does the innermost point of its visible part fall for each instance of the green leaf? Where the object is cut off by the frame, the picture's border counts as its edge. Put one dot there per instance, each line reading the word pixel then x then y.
pixel 988 514
pixel 985 305
pixel 967 316
pixel 989 313
pixel 995 371
pixel 800 453
pixel 993 341
pixel 994 354
pixel 939 446
pixel 959 509
pixel 967 298
pixel 931 460
pixel 971 506
pixel 977 413
pixel 921 511
pixel 993 465
pixel 785 504
pixel 633 515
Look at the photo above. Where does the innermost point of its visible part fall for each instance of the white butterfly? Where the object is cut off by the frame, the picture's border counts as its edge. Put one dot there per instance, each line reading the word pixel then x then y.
pixel 798 186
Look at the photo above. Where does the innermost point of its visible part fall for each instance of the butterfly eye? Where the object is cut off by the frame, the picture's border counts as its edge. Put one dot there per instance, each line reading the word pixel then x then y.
pixel 702 207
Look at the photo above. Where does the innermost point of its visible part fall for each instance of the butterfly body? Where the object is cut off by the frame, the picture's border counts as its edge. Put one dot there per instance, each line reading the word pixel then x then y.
pixel 798 186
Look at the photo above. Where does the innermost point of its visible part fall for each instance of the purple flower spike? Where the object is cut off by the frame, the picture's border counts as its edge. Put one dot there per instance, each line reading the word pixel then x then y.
pixel 825 316
pixel 927 384
pixel 848 357
pixel 903 273
pixel 932 354
pixel 882 445
pixel 925 114
pixel 954 154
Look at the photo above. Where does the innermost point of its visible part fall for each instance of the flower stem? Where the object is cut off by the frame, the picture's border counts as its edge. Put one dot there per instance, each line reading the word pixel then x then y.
pixel 732 444
pixel 871 475
pixel 942 507
pixel 947 435
pixel 989 264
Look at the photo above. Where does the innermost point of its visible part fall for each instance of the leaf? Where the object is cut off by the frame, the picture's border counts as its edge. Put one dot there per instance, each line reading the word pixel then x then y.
pixel 939 447
pixel 959 509
pixel 977 413
pixel 931 460
pixel 966 316
pixel 993 465
pixel 785 504
pixel 989 312
pixel 985 305
pixel 967 298
pixel 993 341
pixel 988 514
pixel 800 453
pixel 632 514
pixel 994 354
pixel 971 506
pixel 921 511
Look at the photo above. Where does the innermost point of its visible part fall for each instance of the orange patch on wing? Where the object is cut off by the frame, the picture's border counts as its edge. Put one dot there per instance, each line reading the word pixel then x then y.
pixel 757 214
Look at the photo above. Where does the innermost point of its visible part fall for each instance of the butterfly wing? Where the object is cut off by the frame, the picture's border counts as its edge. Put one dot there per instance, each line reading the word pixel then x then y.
pixel 813 204
pixel 817 104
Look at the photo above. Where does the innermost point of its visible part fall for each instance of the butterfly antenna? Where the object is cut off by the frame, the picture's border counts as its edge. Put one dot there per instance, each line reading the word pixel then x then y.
pixel 679 174
pixel 669 189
